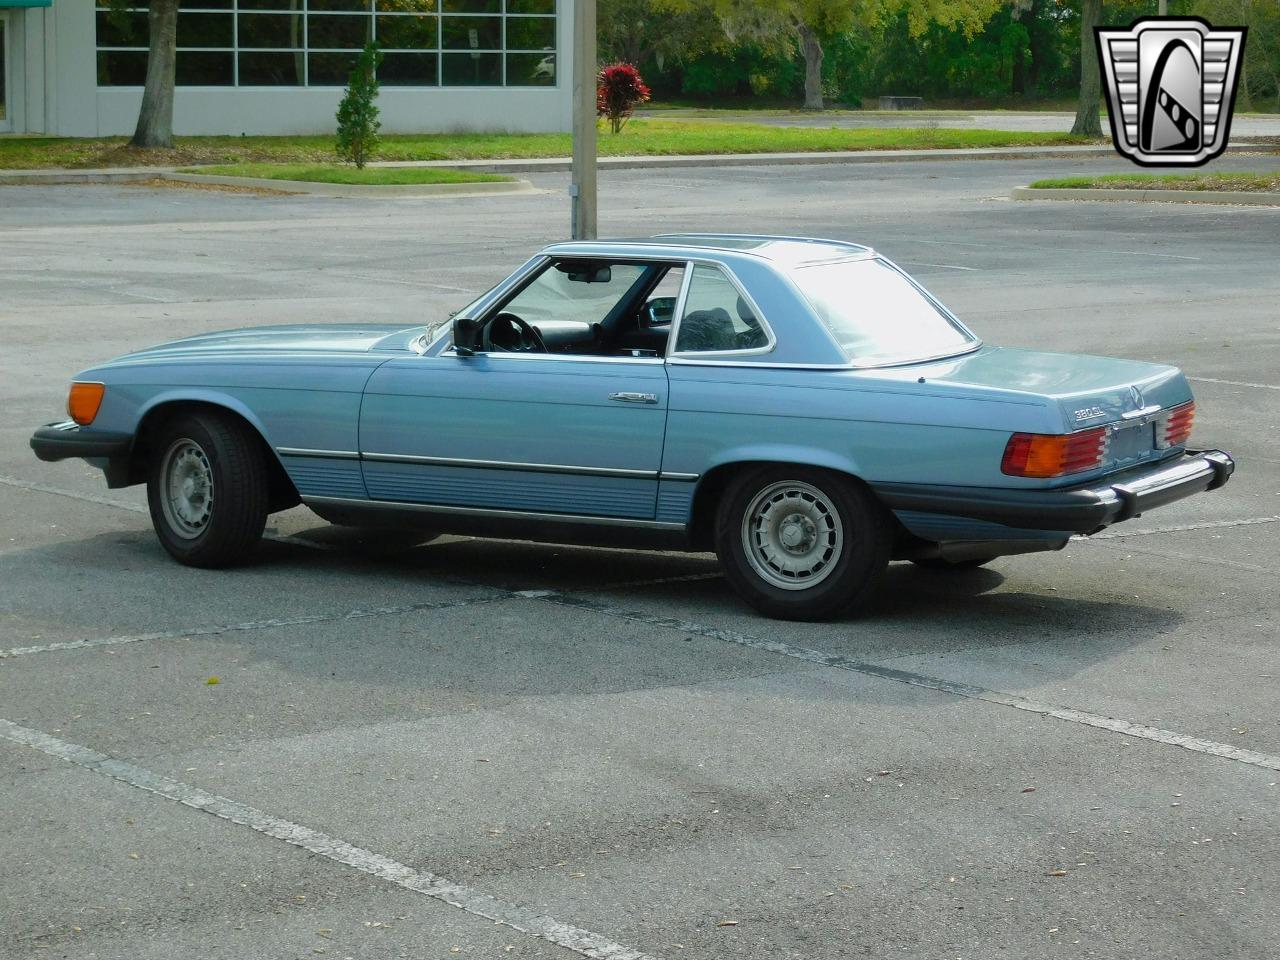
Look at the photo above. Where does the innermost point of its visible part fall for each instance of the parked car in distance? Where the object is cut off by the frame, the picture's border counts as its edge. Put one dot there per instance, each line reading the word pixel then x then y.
pixel 801 406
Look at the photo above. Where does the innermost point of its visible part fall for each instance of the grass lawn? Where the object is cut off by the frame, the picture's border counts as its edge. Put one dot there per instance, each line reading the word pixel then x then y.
pixel 344 173
pixel 1241 182
pixel 640 137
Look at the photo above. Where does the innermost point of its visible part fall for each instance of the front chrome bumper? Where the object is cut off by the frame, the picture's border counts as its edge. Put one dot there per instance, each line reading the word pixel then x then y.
pixel 66 439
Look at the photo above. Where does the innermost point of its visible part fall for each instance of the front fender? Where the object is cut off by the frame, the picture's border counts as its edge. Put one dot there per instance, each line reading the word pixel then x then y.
pixel 206 395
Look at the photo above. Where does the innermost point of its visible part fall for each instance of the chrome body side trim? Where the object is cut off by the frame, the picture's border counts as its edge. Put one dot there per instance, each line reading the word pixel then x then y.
pixel 673 475
pixel 485 512
pixel 330 454
pixel 687 360
pixel 509 465
pixel 560 357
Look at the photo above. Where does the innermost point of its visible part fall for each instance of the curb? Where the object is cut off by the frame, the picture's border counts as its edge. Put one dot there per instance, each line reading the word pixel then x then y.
pixel 348 190
pixel 564 164
pixel 35 177
pixel 1255 199
pixel 141 174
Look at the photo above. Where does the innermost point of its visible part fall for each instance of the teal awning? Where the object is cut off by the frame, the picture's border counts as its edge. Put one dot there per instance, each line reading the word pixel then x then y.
pixel 25 3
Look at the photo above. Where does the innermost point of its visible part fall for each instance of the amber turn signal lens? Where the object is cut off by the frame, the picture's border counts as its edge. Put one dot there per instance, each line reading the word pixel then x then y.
pixel 1053 455
pixel 84 401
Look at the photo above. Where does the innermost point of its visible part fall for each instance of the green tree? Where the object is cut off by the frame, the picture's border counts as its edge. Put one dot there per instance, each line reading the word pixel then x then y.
pixel 1260 67
pixel 358 122
pixel 1087 123
pixel 155 118
pixel 803 26
pixel 640 31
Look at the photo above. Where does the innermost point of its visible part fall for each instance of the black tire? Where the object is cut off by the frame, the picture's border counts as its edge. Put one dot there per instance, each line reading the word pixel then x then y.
pixel 843 535
pixel 216 451
pixel 938 563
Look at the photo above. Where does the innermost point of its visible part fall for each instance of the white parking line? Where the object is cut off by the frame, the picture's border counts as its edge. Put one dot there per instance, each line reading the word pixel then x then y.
pixel 60 492
pixel 210 631
pixel 944 266
pixel 582 942
pixel 1179 528
pixel 808 655
pixel 136 508
pixel 1235 383
pixel 1269 572
pixel 1010 246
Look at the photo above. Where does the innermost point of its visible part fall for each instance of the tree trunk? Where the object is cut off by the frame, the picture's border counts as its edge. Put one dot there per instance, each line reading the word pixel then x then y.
pixel 1244 102
pixel 155 119
pixel 811 48
pixel 1087 123
pixel 1041 38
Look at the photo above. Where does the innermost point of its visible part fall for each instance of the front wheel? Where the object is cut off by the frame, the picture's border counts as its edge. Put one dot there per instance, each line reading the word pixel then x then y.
pixel 802 544
pixel 208 489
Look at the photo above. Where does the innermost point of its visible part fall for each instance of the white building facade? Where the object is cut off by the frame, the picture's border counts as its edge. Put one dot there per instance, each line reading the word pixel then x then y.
pixel 76 67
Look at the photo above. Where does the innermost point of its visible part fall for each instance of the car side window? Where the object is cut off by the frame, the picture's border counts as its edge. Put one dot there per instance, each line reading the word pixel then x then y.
pixel 716 317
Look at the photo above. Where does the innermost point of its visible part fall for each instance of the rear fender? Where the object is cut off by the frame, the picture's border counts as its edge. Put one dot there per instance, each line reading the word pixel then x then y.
pixel 798 454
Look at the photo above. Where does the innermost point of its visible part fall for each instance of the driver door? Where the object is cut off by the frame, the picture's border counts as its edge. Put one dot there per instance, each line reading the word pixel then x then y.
pixel 577 432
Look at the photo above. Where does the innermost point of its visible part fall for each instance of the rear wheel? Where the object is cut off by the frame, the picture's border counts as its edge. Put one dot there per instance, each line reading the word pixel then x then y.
pixel 208 489
pixel 801 543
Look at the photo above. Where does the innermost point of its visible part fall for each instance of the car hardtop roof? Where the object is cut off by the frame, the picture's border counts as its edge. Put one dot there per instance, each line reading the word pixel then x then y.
pixel 787 251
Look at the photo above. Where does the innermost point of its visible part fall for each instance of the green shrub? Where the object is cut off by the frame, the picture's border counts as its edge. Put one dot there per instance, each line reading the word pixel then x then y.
pixel 358 122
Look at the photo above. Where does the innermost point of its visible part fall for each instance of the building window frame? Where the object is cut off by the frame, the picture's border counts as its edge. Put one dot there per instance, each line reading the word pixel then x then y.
pixel 438 14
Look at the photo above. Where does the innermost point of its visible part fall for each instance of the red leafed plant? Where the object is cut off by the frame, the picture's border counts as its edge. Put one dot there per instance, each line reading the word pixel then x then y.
pixel 619 90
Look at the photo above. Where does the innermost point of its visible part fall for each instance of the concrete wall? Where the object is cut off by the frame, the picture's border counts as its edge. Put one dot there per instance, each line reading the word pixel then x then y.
pixel 59 92
pixel 26 70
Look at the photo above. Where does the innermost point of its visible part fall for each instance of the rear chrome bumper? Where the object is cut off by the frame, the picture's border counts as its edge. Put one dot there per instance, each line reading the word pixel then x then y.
pixel 1083 509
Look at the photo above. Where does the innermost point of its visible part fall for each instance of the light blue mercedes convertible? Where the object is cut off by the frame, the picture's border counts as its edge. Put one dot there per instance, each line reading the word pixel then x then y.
pixel 804 407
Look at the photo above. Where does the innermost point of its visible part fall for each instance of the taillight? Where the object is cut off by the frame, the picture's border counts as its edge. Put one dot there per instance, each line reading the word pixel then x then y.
pixel 1054 455
pixel 83 402
pixel 1175 429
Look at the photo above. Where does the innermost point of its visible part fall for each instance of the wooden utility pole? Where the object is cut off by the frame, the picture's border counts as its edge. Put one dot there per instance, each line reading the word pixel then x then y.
pixel 582 187
pixel 1164 8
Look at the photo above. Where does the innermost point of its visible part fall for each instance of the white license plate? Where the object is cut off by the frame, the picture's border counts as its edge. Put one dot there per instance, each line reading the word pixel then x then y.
pixel 1128 443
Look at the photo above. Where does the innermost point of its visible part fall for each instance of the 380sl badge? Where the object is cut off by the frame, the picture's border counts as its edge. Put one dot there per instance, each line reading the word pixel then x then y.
pixel 1088 413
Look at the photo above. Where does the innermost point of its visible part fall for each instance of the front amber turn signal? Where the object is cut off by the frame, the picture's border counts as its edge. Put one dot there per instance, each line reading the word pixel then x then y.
pixel 84 401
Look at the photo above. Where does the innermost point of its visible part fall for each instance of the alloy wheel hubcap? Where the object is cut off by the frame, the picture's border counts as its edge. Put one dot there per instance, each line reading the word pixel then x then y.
pixel 187 493
pixel 792 535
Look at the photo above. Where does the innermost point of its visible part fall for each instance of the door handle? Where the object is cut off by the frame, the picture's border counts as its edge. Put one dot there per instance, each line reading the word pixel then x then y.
pixel 626 397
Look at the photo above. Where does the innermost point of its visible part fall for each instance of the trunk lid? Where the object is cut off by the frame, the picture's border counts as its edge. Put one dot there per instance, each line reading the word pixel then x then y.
pixel 1129 397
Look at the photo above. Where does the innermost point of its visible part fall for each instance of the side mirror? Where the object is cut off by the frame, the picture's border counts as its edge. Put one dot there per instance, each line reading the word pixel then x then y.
pixel 660 311
pixel 466 336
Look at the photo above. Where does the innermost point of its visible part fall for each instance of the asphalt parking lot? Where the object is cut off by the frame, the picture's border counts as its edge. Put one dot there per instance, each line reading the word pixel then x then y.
pixel 490 749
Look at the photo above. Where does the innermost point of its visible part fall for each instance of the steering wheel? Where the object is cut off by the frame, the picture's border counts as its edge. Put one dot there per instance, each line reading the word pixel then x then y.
pixel 507 333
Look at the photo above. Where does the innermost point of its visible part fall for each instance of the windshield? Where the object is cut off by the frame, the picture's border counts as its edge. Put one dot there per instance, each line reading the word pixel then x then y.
pixel 877 315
